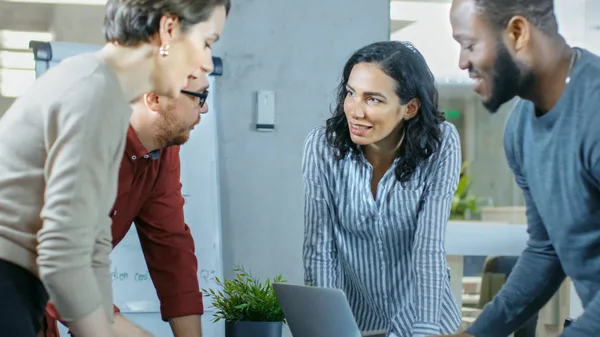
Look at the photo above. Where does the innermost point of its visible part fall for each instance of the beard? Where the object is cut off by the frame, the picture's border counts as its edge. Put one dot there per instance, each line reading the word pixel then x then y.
pixel 180 139
pixel 509 79
pixel 171 132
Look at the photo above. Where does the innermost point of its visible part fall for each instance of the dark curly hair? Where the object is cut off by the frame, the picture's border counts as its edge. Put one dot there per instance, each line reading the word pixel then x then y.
pixel 405 64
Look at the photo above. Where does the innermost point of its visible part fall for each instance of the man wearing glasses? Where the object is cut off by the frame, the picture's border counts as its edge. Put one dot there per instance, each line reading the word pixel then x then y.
pixel 150 196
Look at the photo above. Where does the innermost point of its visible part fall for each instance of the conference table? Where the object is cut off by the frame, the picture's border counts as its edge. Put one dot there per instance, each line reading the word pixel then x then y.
pixel 480 238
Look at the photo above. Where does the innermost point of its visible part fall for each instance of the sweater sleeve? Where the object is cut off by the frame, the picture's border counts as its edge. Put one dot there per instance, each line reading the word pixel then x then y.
pixel 538 273
pixel 81 169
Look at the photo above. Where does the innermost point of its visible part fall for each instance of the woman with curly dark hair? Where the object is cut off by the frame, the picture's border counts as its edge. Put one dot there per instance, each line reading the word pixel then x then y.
pixel 379 182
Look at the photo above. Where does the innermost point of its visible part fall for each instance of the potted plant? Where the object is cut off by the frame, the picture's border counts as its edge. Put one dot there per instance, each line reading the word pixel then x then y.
pixel 463 204
pixel 248 306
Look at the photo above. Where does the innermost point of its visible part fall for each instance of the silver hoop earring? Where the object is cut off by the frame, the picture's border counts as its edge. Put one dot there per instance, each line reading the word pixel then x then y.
pixel 164 50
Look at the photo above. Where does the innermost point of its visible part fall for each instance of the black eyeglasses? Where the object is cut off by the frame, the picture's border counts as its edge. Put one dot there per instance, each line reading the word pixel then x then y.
pixel 200 95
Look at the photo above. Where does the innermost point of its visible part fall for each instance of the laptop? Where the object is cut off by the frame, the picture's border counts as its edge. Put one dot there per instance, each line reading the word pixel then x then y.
pixel 318 312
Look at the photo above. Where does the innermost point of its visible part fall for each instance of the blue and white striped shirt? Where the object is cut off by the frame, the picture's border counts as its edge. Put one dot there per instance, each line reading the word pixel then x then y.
pixel 387 254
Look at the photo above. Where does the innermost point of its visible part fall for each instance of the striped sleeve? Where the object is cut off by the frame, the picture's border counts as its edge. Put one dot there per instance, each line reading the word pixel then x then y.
pixel 319 250
pixel 429 258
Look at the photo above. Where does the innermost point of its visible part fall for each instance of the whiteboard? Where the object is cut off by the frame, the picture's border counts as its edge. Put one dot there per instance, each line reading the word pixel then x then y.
pixel 133 291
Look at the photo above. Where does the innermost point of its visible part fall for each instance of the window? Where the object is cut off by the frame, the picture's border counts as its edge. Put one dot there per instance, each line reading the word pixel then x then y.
pixel 17 66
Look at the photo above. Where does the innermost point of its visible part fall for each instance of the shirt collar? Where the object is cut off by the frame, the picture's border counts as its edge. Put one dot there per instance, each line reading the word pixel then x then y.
pixel 135 149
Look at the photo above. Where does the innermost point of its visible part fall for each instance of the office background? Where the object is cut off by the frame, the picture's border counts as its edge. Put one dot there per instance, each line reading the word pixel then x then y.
pixel 297 49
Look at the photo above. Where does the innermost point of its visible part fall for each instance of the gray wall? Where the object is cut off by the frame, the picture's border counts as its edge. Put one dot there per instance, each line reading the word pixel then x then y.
pixel 297 49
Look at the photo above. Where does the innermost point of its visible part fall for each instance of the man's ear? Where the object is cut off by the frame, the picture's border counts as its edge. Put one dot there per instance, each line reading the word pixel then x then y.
pixel 152 102
pixel 518 33
pixel 412 108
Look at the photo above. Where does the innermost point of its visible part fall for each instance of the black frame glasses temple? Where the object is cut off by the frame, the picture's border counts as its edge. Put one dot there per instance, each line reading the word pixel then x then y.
pixel 201 95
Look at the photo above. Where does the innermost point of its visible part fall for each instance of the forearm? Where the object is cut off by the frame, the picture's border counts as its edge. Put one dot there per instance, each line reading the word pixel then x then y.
pixel 430 275
pixel 319 250
pixel 101 267
pixel 126 328
pixel 429 265
pixel 534 279
pixel 173 267
pixel 102 274
pixel 66 265
pixel 186 326
pixel 320 265
pixel 319 256
pixel 98 323
pixel 94 325
pixel 84 295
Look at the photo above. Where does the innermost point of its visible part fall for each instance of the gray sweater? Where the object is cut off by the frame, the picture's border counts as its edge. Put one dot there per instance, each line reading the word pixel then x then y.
pixel 556 162
pixel 62 143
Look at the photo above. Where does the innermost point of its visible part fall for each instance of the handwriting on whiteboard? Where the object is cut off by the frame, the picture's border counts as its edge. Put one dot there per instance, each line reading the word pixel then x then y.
pixel 129 276
pixel 206 276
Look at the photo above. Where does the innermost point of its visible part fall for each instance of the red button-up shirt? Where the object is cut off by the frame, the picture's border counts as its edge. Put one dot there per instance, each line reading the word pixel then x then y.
pixel 150 196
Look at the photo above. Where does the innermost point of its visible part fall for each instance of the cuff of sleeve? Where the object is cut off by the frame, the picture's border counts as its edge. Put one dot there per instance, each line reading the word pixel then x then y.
pixel 481 326
pixel 473 331
pixel 181 305
pixel 425 330
pixel 74 292
pixel 478 329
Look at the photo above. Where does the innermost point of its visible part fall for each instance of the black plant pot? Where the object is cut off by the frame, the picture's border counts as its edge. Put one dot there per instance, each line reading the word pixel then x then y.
pixel 253 329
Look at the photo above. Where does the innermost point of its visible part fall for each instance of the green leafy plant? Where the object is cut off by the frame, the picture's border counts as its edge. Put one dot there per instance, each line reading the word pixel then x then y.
pixel 462 203
pixel 245 298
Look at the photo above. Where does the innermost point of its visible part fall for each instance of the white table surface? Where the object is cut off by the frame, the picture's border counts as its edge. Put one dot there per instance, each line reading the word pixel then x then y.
pixel 477 238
